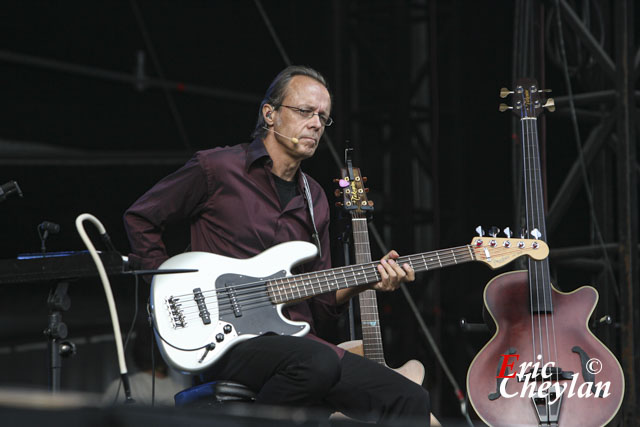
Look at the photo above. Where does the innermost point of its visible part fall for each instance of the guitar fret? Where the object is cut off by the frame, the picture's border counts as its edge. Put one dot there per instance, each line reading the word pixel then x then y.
pixel 311 284
pixel 344 276
pixel 286 287
pixel 328 281
pixel 355 276
pixel 292 287
pixel 299 289
pixel 279 289
pixel 306 285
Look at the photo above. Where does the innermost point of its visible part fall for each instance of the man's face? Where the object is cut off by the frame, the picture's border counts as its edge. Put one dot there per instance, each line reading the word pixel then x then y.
pixel 303 93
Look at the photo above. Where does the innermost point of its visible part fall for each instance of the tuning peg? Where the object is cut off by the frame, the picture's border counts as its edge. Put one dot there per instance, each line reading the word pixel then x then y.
pixel 504 92
pixel 480 230
pixel 364 179
pixel 366 189
pixel 550 105
pixel 507 232
pixel 337 192
pixel 504 107
pixel 493 231
pixel 545 90
pixel 536 233
pixel 339 204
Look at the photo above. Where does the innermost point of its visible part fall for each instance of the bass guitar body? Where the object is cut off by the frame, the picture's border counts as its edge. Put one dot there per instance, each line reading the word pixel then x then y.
pixel 590 381
pixel 543 367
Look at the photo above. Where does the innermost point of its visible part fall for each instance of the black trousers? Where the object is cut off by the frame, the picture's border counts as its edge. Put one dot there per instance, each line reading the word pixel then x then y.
pixel 295 371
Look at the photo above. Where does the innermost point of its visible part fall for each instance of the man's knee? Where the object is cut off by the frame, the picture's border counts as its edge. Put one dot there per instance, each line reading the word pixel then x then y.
pixel 319 371
pixel 417 402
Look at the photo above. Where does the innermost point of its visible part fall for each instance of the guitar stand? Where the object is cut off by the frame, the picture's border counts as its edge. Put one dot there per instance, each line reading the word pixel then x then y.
pixel 346 242
pixel 58 302
pixel 605 320
pixel 473 327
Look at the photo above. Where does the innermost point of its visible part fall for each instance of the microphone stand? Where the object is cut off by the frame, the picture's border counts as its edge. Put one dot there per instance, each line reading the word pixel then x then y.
pixel 345 236
pixel 58 302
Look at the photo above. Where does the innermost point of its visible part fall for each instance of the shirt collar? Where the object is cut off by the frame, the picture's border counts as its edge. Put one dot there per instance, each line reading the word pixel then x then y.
pixel 255 151
pixel 258 151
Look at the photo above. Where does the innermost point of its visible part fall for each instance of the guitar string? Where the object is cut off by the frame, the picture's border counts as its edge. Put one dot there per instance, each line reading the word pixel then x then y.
pixel 536 269
pixel 264 297
pixel 370 276
pixel 534 282
pixel 528 194
pixel 343 272
pixel 417 261
pixel 252 295
pixel 290 287
pixel 369 316
pixel 537 207
pixel 534 223
pixel 349 269
pixel 543 265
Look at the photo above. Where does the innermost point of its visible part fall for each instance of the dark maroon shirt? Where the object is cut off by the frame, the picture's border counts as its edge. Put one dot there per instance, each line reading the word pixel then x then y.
pixel 230 198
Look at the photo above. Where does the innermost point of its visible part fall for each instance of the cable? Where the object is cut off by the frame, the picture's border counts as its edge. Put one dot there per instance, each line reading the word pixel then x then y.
pixel 154 57
pixel 153 369
pixel 133 323
pixel 272 31
pixel 108 293
pixel 443 363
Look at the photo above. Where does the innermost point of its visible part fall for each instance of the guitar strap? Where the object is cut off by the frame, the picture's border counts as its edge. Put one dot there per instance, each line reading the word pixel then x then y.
pixel 307 193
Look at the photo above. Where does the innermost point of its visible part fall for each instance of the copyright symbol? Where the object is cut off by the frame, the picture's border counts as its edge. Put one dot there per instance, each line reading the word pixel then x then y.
pixel 593 366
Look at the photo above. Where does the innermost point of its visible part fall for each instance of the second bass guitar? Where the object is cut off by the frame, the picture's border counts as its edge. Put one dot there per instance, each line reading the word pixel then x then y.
pixel 543 366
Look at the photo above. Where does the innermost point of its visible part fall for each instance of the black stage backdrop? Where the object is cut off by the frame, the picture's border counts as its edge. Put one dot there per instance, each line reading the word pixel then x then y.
pixel 109 127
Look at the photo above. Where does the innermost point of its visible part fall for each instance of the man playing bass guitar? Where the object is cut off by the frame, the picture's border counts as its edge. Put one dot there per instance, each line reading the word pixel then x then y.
pixel 244 199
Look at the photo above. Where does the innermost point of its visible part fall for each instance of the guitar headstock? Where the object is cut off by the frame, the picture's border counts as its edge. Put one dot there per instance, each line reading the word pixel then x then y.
pixel 497 251
pixel 353 191
pixel 528 100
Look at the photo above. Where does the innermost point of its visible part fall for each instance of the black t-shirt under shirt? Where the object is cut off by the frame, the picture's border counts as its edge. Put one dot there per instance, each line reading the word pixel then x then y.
pixel 286 190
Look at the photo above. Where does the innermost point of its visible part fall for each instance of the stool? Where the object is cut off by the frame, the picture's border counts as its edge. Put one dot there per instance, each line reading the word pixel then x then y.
pixel 213 393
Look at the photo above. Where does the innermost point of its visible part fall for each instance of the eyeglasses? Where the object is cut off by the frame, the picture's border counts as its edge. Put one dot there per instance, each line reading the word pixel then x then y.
pixel 307 114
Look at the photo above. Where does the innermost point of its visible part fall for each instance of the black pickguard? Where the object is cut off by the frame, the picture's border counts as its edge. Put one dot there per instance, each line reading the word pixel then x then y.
pixel 254 319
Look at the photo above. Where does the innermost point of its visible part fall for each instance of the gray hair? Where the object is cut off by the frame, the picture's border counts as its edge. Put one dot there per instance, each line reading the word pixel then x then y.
pixel 278 91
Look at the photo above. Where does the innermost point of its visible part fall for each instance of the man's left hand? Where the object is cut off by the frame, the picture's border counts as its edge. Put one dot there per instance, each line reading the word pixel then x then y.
pixel 392 273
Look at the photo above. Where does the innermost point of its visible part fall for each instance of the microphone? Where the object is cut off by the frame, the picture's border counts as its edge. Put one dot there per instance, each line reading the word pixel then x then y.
pixel 293 139
pixel 9 188
pixel 50 227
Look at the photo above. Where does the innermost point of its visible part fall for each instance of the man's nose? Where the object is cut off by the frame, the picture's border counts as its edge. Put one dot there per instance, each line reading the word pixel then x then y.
pixel 315 121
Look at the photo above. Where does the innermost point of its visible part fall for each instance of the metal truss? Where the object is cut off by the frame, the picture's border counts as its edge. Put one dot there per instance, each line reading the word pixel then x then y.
pixel 386 77
pixel 604 62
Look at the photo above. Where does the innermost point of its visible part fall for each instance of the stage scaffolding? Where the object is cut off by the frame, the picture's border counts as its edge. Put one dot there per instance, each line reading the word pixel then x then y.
pixel 596 99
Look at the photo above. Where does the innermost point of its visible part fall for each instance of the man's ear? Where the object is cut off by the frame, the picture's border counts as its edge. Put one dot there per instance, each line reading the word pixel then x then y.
pixel 267 112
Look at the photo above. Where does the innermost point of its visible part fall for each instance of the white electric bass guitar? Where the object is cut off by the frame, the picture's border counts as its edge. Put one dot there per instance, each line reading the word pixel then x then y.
pixel 199 315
